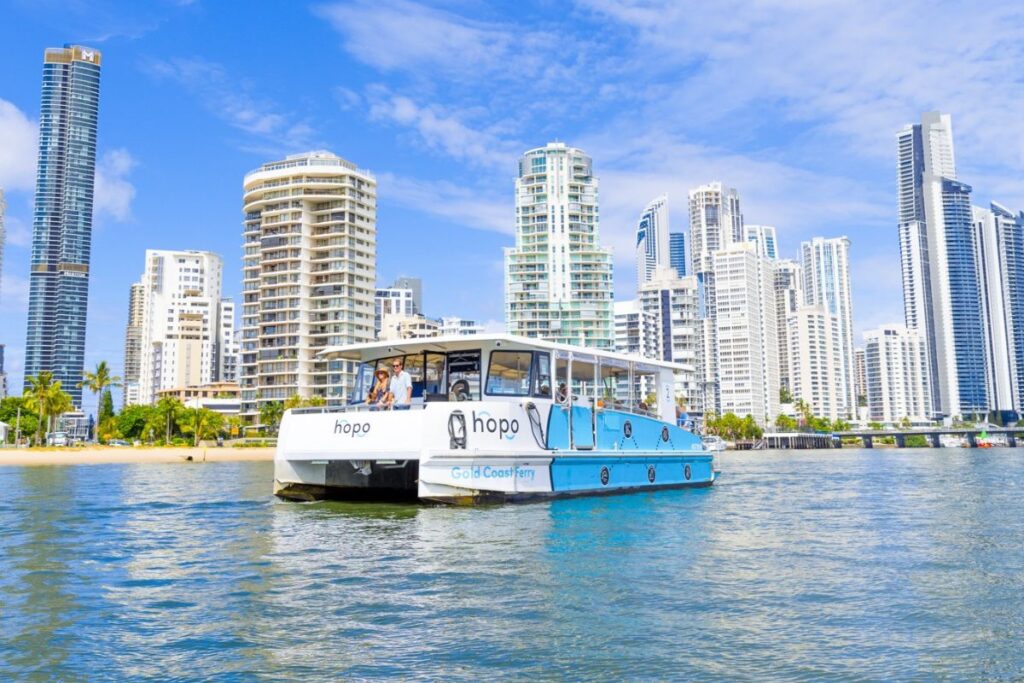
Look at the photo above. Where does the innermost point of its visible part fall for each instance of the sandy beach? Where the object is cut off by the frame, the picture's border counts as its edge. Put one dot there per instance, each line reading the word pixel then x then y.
pixel 102 455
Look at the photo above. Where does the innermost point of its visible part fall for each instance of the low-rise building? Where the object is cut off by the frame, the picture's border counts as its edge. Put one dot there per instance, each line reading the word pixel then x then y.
pixel 896 365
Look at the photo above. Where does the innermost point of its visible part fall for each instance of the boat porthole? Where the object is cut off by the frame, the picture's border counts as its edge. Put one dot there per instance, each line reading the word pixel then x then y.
pixel 604 476
pixel 686 472
pixel 651 474
pixel 627 429
pixel 664 433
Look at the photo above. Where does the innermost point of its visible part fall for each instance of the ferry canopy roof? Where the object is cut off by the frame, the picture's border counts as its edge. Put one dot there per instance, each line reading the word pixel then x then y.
pixel 381 349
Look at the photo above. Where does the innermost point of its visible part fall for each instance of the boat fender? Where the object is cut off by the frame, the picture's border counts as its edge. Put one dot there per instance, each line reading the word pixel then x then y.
pixel 605 476
pixel 664 433
pixel 456 430
pixel 686 472
pixel 651 473
pixel 627 429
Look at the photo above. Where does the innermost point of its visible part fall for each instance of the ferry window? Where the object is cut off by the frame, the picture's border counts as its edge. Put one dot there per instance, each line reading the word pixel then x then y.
pixel 414 366
pixel 464 374
pixel 434 373
pixel 509 374
pixel 542 375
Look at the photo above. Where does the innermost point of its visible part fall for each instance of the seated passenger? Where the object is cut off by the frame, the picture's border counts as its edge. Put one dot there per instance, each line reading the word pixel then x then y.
pixel 562 394
pixel 459 390
pixel 379 394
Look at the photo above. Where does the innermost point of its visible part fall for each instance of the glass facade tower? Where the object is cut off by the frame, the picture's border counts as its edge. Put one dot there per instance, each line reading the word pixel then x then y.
pixel 62 225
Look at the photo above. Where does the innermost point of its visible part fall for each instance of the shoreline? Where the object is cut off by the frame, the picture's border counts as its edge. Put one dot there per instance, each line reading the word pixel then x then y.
pixel 104 456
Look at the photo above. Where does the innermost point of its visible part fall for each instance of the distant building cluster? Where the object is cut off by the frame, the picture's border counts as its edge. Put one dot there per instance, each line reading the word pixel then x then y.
pixel 960 353
pixel 750 332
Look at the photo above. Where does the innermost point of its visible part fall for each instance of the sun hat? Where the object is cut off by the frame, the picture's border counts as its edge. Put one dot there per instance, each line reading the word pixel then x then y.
pixel 380 371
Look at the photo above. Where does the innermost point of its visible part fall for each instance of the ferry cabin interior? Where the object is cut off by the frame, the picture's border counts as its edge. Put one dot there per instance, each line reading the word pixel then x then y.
pixel 587 386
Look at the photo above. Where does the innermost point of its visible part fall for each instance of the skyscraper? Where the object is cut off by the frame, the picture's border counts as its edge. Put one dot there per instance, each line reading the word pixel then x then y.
pixel 896 374
pixel 558 277
pixel 652 241
pixel 673 302
pixel 1000 235
pixel 789 297
pixel 133 342
pixel 941 286
pixel 183 335
pixel 308 276
pixel 747 333
pixel 814 358
pixel 763 236
pixel 715 223
pixel 3 236
pixel 62 223
pixel 826 270
pixel 677 252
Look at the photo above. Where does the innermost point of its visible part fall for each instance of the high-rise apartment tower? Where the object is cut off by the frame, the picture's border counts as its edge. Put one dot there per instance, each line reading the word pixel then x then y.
pixel 308 278
pixel 558 277
pixel 62 222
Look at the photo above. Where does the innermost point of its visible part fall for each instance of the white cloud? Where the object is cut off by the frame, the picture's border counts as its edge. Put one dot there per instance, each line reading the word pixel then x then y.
pixel 232 100
pixel 19 137
pixel 466 206
pixel 18 234
pixel 442 131
pixel 113 192
pixel 13 294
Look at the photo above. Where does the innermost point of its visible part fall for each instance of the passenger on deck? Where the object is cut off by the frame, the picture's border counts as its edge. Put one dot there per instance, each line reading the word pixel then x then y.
pixel 401 386
pixel 562 393
pixel 378 396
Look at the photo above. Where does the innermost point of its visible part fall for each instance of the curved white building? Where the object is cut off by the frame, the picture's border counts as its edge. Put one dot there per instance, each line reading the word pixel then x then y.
pixel 309 275
pixel 558 277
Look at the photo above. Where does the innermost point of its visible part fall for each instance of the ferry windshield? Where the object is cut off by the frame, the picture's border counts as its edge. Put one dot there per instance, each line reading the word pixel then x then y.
pixel 427 371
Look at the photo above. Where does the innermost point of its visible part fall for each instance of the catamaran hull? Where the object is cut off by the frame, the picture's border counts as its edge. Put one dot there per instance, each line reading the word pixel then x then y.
pixel 460 478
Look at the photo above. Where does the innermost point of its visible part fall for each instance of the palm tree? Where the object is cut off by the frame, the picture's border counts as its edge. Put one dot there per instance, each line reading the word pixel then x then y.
pixel 200 422
pixel 100 381
pixel 270 415
pixel 58 402
pixel 36 393
pixel 165 414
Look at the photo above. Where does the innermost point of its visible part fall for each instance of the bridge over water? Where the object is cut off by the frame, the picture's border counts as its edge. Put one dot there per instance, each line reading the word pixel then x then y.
pixel 1012 435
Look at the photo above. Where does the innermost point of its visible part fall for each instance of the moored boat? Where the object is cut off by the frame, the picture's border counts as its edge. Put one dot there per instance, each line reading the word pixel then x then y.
pixel 493 418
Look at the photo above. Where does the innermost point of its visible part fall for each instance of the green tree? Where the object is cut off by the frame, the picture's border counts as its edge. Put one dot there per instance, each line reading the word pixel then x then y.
pixel 106 410
pixel 58 402
pixel 750 428
pixel 10 409
pixel 785 396
pixel 270 415
pixel 905 423
pixel 36 393
pixel 131 423
pixel 841 425
pixel 784 423
pixel 98 382
pixel 201 423
pixel 164 417
pixel 876 426
pixel 108 430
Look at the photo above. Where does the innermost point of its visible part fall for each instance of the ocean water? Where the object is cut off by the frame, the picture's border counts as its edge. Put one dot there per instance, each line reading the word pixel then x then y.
pixel 839 565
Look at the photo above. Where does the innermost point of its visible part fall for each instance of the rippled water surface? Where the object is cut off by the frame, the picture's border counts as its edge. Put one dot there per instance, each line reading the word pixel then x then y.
pixel 800 565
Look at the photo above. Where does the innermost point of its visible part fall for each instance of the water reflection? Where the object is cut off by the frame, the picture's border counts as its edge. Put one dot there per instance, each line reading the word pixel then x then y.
pixel 802 565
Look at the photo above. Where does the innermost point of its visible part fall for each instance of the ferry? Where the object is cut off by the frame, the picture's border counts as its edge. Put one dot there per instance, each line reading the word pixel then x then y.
pixel 494 418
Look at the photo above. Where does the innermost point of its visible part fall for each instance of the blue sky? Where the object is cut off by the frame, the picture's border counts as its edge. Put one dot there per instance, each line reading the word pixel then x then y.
pixel 794 103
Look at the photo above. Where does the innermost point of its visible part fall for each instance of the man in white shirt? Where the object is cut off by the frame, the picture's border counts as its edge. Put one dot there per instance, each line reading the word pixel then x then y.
pixel 401 385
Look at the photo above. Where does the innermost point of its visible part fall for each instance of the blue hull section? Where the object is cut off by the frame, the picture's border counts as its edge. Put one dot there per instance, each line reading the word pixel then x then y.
pixel 607 472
